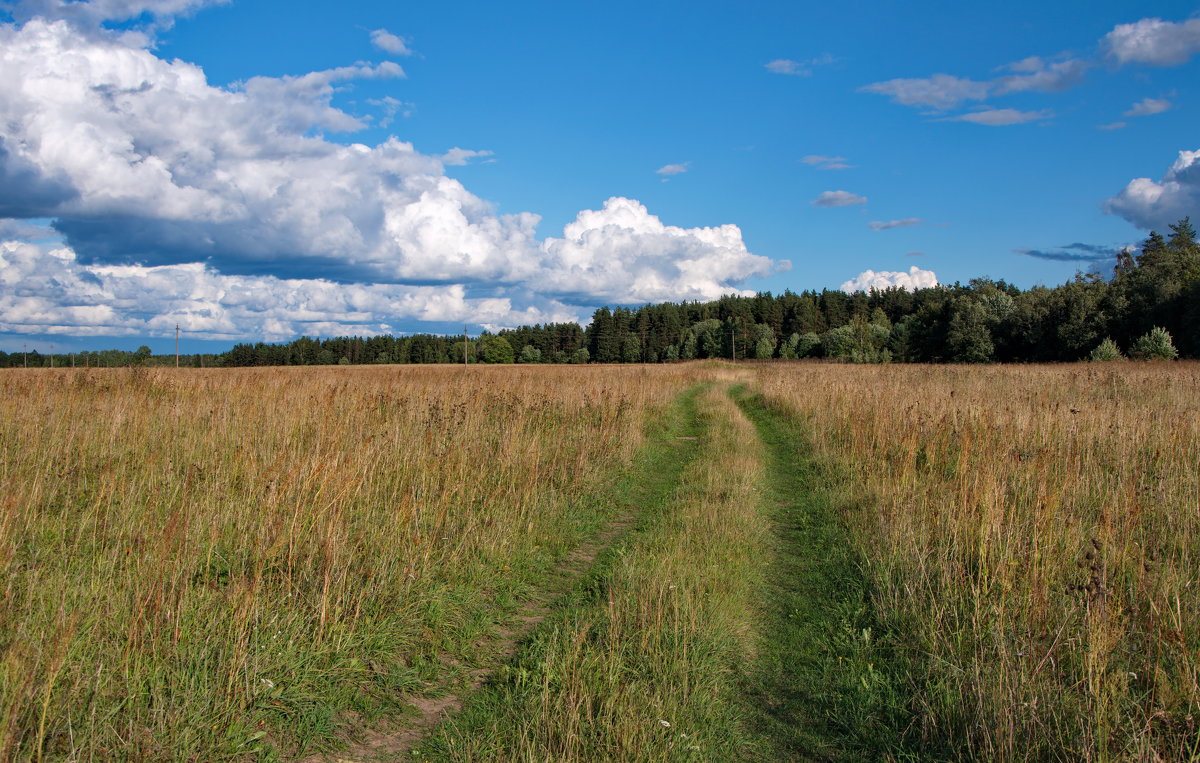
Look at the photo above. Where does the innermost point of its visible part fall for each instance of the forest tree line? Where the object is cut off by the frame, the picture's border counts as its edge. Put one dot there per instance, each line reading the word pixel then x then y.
pixel 1150 306
pixel 142 356
pixel 982 321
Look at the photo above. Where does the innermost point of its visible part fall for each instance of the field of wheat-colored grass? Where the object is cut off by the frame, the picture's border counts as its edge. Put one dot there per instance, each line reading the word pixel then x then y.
pixel 241 564
pixel 1033 537
pixel 211 564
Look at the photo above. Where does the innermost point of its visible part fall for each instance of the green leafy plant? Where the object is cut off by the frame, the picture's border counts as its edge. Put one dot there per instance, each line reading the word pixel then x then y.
pixel 1155 344
pixel 1106 351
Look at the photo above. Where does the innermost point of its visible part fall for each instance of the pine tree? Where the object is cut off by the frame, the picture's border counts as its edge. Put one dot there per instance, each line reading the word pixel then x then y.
pixel 1155 345
pixel 1106 351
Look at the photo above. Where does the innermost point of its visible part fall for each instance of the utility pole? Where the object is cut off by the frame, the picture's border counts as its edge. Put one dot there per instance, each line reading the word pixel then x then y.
pixel 177 345
pixel 25 354
pixel 732 345
pixel 464 345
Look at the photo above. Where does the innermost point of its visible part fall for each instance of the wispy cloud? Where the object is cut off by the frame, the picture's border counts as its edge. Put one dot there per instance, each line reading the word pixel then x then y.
pixel 946 92
pixel 1001 117
pixel 1076 252
pixel 391 107
pixel 390 43
pixel 838 199
pixel 1150 41
pixel 826 162
pixel 672 169
pixel 24 230
pixel 1113 126
pixel 941 91
pixel 877 225
pixel 458 157
pixel 1038 75
pixel 1148 106
pixel 803 68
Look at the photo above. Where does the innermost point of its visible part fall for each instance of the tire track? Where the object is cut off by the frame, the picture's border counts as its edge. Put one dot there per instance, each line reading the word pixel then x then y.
pixel 823 690
pixel 650 481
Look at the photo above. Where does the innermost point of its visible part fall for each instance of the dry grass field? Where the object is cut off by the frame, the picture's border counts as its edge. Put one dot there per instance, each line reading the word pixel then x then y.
pixel 246 564
pixel 1033 536
pixel 212 564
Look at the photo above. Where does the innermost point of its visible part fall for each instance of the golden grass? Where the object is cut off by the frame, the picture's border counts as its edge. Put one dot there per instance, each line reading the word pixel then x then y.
pixel 1033 534
pixel 201 564
pixel 212 565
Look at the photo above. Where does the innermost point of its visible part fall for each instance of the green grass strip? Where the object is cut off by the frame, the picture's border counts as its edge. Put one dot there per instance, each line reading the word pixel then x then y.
pixel 826 683
pixel 643 661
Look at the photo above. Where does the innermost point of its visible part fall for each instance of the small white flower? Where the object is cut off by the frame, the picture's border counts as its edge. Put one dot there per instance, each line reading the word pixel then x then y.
pixel 268 683
pixel 665 724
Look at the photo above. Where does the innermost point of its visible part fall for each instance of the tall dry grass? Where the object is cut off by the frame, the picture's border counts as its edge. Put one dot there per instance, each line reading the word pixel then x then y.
pixel 213 564
pixel 1033 533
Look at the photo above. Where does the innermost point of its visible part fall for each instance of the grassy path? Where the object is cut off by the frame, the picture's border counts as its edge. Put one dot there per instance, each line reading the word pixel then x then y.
pixel 720 616
pixel 824 685
pixel 642 488
pixel 644 661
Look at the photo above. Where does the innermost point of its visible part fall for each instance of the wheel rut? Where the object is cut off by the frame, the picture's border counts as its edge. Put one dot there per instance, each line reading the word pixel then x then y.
pixel 398 739
pixel 823 689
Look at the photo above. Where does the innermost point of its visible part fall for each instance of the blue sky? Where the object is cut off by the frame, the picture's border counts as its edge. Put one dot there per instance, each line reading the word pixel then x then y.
pixel 264 170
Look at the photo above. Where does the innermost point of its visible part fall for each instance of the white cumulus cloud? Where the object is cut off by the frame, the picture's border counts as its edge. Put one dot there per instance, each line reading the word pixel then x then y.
pixel 149 175
pixel 624 254
pixel 48 291
pixel 915 278
pixel 140 159
pixel 1153 41
pixel 93 13
pixel 1149 204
